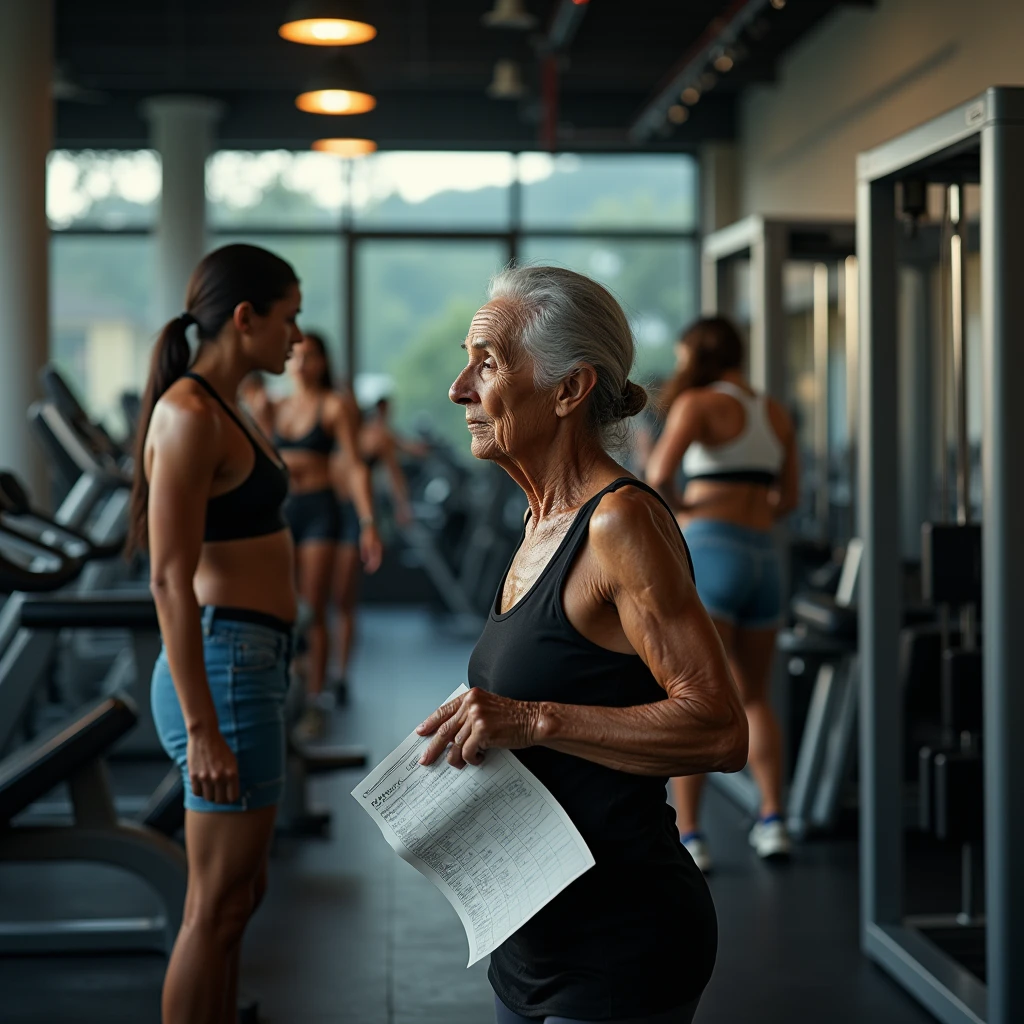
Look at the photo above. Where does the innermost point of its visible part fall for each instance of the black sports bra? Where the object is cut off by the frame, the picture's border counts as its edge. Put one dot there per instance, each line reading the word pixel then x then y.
pixel 316 439
pixel 253 508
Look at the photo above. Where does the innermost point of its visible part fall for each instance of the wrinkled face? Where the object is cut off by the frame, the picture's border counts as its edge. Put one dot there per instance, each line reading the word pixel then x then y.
pixel 505 413
pixel 306 363
pixel 269 339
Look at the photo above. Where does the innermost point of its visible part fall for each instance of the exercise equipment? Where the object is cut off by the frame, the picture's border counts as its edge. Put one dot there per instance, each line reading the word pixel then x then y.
pixel 826 631
pixel 92 658
pixel 466 526
pixel 72 752
pixel 981 141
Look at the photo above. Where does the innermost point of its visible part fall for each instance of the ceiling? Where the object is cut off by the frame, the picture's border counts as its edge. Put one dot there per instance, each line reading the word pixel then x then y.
pixel 429 67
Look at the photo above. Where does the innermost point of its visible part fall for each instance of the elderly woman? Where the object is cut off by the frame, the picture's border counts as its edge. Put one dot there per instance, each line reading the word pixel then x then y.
pixel 597 664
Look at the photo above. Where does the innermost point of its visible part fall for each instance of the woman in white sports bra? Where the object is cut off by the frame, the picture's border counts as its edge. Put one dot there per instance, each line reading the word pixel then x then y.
pixel 738 453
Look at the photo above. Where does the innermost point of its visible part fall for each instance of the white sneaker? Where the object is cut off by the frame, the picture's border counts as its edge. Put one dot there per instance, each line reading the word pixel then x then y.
pixel 770 839
pixel 697 847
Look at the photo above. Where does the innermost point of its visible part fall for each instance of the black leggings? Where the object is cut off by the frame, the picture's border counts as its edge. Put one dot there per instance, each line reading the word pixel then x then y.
pixel 680 1015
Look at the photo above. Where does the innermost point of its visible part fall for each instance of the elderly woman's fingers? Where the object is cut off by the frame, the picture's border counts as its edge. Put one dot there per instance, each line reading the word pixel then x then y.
pixel 455 758
pixel 444 735
pixel 440 716
pixel 472 750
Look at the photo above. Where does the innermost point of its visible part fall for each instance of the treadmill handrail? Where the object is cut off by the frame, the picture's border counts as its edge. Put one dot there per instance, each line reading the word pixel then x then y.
pixel 86 458
pixel 58 754
pixel 19 524
pixel 94 610
pixel 17 577
pixel 65 399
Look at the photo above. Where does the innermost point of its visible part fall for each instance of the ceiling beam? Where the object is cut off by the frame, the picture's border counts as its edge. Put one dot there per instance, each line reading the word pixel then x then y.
pixel 565 23
pixel 451 120
pixel 723 31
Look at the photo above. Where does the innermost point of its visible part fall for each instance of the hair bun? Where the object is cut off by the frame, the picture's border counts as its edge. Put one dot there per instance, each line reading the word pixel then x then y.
pixel 634 400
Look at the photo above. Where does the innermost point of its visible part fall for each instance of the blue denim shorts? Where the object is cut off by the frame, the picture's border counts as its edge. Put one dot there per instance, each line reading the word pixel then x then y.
pixel 738 571
pixel 247 669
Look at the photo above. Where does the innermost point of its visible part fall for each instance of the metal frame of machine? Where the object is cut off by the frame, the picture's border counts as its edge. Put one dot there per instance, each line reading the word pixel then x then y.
pixel 982 141
pixel 768 244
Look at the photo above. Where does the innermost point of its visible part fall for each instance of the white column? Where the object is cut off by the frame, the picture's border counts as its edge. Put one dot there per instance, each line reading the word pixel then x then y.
pixel 26 133
pixel 182 132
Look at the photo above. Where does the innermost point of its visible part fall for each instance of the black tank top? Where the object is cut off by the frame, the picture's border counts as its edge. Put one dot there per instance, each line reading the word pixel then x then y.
pixel 636 934
pixel 253 508
pixel 316 439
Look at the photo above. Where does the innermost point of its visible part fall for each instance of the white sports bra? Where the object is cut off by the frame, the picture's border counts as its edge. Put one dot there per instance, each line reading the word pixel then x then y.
pixel 755 455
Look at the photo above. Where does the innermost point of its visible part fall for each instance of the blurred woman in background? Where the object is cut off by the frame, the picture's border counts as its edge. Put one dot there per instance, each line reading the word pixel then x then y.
pixel 311 424
pixel 378 445
pixel 738 452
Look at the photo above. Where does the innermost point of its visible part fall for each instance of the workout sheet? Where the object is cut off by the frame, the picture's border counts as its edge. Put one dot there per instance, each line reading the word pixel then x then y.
pixel 490 836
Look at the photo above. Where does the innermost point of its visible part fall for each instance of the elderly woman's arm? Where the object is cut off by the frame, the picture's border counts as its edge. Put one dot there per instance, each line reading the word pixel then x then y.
pixel 700 726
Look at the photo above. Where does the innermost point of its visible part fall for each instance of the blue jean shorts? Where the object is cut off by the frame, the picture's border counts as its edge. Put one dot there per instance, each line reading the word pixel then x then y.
pixel 247 669
pixel 738 571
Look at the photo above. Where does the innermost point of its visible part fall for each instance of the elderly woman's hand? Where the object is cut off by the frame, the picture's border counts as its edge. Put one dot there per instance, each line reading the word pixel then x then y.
pixel 477 721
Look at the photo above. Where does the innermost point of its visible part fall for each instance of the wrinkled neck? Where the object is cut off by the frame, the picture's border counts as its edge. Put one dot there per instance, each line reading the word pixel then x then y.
pixel 557 476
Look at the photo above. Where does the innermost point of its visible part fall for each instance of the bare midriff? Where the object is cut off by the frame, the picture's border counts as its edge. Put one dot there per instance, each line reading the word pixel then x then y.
pixel 307 471
pixel 256 573
pixel 742 504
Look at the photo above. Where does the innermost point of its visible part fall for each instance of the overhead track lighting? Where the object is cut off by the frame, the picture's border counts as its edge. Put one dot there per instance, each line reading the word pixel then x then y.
pixel 507 83
pixel 327 23
pixel 724 43
pixel 509 14
pixel 678 114
pixel 337 88
pixel 346 147
pixel 724 62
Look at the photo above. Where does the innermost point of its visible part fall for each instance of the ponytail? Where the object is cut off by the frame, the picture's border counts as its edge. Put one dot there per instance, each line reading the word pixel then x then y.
pixel 715 347
pixel 170 359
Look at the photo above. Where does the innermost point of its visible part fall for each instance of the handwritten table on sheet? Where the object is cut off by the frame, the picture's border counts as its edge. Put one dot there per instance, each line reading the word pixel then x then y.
pixel 491 837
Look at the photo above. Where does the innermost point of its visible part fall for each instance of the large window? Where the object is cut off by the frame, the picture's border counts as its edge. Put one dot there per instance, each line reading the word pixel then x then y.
pixel 433 191
pixel 101 206
pixel 646 276
pixel 319 263
pixel 274 189
pixel 102 189
pixel 101 292
pixel 415 302
pixel 424 233
pixel 627 192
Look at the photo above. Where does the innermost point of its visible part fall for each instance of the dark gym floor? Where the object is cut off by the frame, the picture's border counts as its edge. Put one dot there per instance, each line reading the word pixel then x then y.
pixel 350 933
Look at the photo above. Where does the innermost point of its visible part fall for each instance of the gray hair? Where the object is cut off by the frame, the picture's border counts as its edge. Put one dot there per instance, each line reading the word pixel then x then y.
pixel 570 320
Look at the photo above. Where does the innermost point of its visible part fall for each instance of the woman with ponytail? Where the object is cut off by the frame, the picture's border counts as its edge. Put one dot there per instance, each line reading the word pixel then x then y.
pixel 207 504
pixel 738 452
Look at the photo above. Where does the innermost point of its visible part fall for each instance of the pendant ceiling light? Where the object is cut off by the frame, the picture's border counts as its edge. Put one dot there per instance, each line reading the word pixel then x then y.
pixel 327 23
pixel 346 147
pixel 507 83
pixel 509 14
pixel 336 88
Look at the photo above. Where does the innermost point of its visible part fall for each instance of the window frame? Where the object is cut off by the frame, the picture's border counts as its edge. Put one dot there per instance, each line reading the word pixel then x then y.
pixel 351 237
